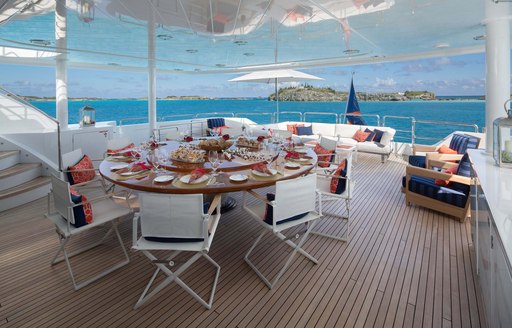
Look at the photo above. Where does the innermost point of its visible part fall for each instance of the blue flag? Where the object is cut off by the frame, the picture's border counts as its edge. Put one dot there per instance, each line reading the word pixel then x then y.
pixel 353 107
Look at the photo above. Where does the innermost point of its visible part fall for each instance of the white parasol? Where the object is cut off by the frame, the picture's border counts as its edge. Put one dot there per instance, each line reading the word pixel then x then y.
pixel 276 76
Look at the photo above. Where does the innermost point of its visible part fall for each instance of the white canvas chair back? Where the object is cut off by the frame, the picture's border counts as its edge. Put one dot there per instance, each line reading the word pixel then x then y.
pixel 71 158
pixel 295 197
pixel 328 144
pixel 176 216
pixel 233 132
pixel 118 143
pixel 62 199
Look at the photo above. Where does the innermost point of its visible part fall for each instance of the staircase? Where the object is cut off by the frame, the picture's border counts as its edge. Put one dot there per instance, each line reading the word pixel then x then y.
pixel 20 183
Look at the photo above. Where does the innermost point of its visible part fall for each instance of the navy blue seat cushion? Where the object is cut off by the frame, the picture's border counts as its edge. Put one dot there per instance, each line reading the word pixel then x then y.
pixel 378 135
pixel 304 130
pixel 473 142
pixel 464 170
pixel 215 122
pixel 427 187
pixel 371 136
pixel 269 213
pixel 418 161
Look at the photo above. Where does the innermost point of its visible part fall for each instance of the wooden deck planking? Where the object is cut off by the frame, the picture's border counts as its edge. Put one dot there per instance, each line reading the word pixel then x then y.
pixel 404 266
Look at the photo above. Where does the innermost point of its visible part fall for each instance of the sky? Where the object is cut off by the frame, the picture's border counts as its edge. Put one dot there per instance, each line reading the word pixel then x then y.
pixel 445 76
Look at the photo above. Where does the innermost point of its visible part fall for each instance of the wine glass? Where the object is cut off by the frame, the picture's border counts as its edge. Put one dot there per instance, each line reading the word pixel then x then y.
pixel 270 153
pixel 213 158
pixel 155 160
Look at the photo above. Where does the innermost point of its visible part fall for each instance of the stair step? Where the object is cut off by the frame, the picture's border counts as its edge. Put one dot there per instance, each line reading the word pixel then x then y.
pixel 24 193
pixel 9 158
pixel 17 169
pixel 32 184
pixel 8 153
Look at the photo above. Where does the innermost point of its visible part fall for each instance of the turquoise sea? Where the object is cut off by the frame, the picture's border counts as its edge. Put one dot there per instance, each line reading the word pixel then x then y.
pixel 464 111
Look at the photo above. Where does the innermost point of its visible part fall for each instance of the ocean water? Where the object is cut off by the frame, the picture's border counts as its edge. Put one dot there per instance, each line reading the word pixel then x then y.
pixel 464 111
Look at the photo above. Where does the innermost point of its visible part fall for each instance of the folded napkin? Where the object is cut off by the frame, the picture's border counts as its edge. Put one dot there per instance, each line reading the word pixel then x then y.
pixel 292 154
pixel 130 153
pixel 196 174
pixel 261 167
pixel 120 150
pixel 188 139
pixel 153 144
pixel 136 167
pixel 260 138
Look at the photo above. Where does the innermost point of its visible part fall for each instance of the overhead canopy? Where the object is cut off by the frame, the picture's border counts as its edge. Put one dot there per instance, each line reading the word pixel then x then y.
pixel 197 36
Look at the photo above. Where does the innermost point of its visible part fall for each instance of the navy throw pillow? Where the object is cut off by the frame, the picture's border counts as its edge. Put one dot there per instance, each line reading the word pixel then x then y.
pixel 269 213
pixel 304 130
pixel 378 135
pixel 371 136
pixel 78 211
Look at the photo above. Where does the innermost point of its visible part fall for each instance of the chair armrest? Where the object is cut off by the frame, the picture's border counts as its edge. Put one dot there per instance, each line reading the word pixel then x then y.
pixel 440 164
pixel 135 229
pixel 443 157
pixel 423 148
pixel 258 196
pixel 418 171
pixel 215 202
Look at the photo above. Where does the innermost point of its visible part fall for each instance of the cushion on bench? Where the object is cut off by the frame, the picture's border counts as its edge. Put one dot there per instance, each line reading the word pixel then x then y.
pixel 427 187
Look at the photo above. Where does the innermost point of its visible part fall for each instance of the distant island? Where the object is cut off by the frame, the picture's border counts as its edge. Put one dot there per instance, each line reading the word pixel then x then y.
pixel 309 93
pixel 301 93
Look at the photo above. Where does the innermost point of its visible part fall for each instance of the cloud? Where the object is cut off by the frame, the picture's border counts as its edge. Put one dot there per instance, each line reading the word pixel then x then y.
pixel 384 83
pixel 431 65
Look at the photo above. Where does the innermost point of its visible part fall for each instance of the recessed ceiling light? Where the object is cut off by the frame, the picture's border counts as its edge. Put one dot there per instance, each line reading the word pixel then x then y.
pixel 248 54
pixel 351 51
pixel 480 37
pixel 240 42
pixel 441 45
pixel 40 42
pixel 220 65
pixel 164 36
pixel 191 51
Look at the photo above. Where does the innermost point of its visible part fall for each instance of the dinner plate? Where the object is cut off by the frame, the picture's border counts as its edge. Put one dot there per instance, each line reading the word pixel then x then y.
pixel 186 179
pixel 292 165
pixel 302 159
pixel 301 150
pixel 118 157
pixel 238 177
pixel 118 167
pixel 164 178
pixel 261 174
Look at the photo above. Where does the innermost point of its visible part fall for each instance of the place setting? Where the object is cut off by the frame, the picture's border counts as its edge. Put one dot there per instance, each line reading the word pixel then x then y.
pixel 195 179
pixel 135 171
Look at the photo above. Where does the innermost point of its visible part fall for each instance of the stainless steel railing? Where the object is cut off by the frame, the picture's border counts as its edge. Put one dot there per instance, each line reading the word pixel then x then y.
pixel 343 116
pixel 400 132
pixel 292 113
pixel 306 114
pixel 213 114
pixel 25 103
pixel 442 123
pixel 271 115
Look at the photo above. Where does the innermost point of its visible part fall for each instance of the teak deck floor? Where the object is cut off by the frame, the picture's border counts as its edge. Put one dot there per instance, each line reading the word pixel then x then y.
pixel 404 266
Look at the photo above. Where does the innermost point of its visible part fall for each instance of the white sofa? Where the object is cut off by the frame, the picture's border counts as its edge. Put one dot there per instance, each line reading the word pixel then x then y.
pixel 343 133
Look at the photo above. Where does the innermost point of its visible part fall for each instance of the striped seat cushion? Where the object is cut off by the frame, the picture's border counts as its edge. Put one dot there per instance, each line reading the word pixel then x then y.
pixel 418 160
pixel 427 187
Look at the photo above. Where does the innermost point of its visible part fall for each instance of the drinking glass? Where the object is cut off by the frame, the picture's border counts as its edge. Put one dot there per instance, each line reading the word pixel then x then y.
pixel 270 153
pixel 155 160
pixel 213 158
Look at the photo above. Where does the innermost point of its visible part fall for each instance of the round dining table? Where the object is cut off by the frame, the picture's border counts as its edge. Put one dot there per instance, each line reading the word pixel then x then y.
pixel 175 170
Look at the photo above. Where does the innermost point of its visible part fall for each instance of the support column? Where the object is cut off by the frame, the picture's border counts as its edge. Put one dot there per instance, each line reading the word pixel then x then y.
pixel 497 48
pixel 61 66
pixel 151 73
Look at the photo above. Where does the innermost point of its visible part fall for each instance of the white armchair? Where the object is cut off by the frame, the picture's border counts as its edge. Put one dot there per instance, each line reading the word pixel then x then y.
pixel 105 211
pixel 294 205
pixel 343 191
pixel 175 223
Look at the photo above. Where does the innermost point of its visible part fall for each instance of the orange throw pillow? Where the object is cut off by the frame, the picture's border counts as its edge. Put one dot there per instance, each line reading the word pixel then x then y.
pixel 322 155
pixel 120 150
pixel 450 170
pixel 360 136
pixel 446 150
pixel 293 127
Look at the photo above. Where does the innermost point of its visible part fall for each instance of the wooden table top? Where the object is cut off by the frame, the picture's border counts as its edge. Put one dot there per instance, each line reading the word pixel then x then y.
pixel 223 183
